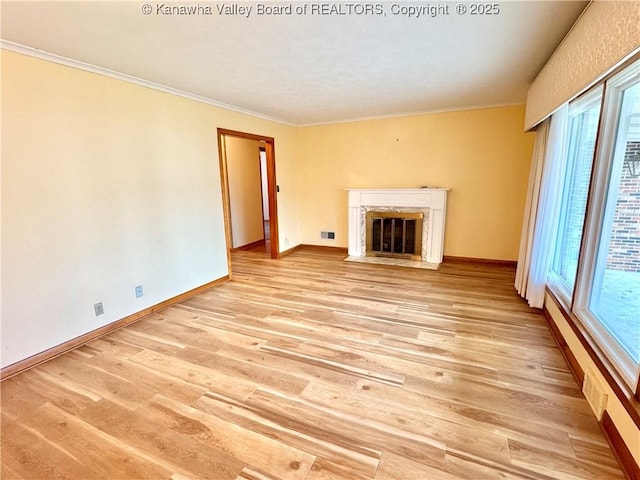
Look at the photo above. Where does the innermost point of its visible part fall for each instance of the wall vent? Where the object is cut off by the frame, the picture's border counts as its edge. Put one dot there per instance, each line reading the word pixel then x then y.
pixel 329 235
pixel 595 394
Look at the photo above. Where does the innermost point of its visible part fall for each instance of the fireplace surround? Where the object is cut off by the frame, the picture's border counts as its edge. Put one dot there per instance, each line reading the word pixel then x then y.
pixel 430 202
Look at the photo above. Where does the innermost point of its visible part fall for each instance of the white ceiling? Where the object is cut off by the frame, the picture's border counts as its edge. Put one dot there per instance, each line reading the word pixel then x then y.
pixel 308 69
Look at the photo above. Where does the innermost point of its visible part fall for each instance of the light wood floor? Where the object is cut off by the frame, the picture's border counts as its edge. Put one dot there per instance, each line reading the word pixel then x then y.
pixel 312 368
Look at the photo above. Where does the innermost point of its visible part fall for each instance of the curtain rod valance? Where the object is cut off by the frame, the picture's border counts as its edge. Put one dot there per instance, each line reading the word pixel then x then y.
pixel 606 34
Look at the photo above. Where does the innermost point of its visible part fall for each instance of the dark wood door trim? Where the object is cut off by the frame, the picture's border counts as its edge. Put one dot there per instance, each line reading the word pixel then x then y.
pixel 226 204
pixel 269 146
pixel 273 198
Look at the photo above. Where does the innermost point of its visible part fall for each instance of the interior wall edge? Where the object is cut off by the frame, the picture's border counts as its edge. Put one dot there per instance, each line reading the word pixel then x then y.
pixel 51 353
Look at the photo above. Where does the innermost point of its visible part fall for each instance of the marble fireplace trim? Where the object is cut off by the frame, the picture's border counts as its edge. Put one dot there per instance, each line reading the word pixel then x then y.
pixel 431 201
pixel 425 224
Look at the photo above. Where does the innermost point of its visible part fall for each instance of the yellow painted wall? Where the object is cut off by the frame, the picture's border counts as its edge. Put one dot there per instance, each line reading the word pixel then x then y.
pixel 623 422
pixel 107 185
pixel 245 190
pixel 482 155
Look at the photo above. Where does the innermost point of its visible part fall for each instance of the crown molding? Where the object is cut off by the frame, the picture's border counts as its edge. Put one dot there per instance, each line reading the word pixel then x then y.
pixel 464 108
pixel 87 67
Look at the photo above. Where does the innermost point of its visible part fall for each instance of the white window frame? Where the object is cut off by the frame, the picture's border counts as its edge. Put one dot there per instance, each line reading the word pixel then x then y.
pixel 586 102
pixel 599 221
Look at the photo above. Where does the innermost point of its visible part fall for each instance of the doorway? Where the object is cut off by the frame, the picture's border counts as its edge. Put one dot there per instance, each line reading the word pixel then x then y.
pixel 264 183
pixel 268 210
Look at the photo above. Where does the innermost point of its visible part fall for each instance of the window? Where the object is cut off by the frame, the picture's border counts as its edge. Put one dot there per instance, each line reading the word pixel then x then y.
pixel 583 129
pixel 597 250
pixel 609 299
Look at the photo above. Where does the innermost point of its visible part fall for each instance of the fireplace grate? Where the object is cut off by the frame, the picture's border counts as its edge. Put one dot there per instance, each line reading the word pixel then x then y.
pixel 396 234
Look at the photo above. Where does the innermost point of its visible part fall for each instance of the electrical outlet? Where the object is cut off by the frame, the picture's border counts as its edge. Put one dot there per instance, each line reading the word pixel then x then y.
pixel 99 309
pixel 139 292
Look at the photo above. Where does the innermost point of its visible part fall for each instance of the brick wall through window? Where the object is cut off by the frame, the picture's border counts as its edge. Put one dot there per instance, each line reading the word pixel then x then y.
pixel 624 247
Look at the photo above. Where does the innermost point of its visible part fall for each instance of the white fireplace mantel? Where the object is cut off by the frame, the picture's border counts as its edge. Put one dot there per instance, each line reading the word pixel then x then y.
pixel 433 199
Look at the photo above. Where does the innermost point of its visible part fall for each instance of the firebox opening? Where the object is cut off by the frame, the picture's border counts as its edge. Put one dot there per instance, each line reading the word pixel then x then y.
pixel 394 234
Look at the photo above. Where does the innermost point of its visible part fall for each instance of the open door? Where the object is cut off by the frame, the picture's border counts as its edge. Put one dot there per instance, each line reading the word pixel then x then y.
pixel 271 193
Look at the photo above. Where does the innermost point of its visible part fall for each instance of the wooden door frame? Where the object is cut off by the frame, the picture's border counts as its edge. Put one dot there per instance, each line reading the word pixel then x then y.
pixel 269 147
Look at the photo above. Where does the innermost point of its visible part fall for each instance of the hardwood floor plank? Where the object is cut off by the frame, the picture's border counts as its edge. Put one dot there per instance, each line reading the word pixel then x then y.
pixel 26 392
pixel 98 383
pixel 148 379
pixel 249 473
pixel 195 374
pixel 299 369
pixel 536 407
pixel 49 372
pixel 334 358
pixel 256 450
pixel 325 469
pixel 311 368
pixel 177 451
pixel 146 342
pixel 9 474
pixel 465 468
pixel 315 321
pixel 274 378
pixel 397 467
pixel 561 373
pixel 114 347
pixel 443 365
pixel 340 450
pixel 264 329
pixel 105 455
pixel 370 433
pixel 594 452
pixel 557 466
pixel 27 454
pixel 508 425
pixel 214 327
pixel 381 324
pixel 455 436
pixel 297 327
pixel 186 334
pixel 496 353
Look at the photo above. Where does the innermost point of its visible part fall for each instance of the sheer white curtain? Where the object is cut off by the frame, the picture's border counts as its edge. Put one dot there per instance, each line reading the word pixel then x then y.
pixel 531 207
pixel 542 208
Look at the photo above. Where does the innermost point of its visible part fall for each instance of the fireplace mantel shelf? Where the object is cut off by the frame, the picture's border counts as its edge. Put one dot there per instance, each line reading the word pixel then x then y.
pixel 433 200
pixel 427 189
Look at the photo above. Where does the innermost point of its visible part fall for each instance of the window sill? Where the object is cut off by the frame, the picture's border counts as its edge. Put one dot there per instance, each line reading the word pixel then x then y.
pixel 614 380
